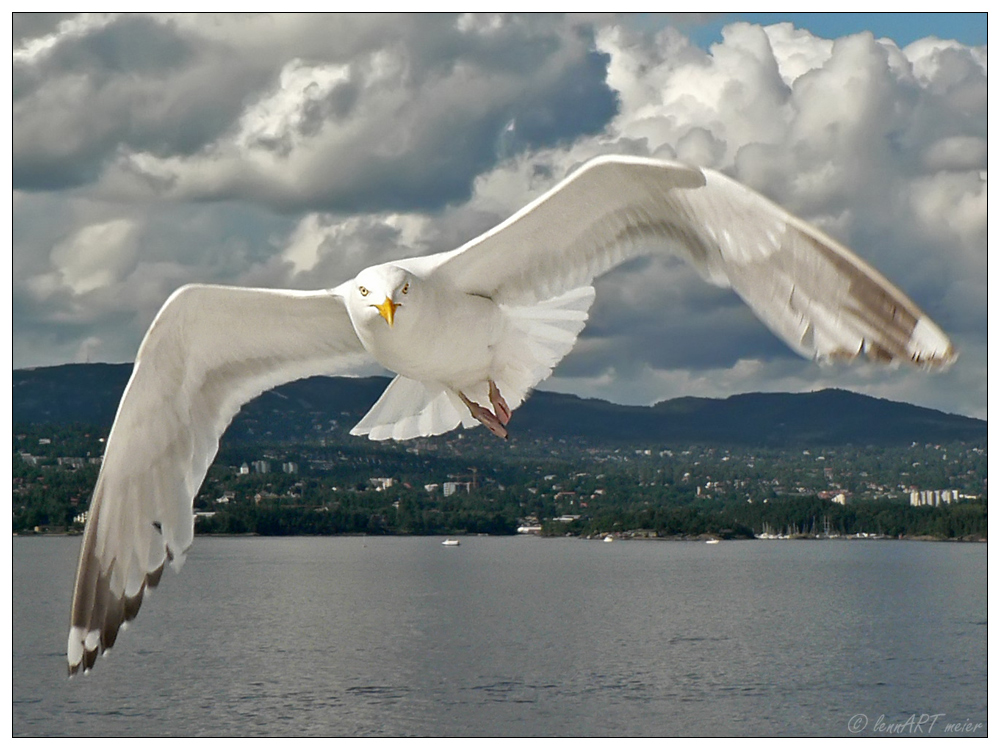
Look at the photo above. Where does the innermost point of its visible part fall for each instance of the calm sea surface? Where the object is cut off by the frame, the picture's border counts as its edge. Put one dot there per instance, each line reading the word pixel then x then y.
pixel 518 636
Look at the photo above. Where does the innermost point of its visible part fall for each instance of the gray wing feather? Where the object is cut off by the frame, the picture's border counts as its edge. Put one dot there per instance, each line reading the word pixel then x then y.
pixel 813 292
pixel 210 350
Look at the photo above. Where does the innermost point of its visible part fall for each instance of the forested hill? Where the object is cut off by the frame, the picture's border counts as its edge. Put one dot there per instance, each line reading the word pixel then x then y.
pixel 89 394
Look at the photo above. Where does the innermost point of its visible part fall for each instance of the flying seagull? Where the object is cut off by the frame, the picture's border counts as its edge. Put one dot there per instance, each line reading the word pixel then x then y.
pixel 469 333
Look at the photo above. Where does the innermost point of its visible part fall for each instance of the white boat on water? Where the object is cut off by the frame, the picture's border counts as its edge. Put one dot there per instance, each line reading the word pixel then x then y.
pixel 450 543
pixel 609 538
pixel 711 541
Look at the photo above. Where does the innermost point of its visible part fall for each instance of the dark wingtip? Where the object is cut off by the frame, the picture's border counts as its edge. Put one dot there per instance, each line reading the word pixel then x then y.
pixel 109 617
pixel 131 604
pixel 152 580
pixel 89 658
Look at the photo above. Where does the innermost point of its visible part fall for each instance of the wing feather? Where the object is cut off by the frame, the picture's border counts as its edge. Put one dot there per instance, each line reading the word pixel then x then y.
pixel 813 292
pixel 210 350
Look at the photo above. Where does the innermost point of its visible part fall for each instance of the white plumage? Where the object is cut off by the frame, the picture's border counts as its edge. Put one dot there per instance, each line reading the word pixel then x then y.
pixel 469 332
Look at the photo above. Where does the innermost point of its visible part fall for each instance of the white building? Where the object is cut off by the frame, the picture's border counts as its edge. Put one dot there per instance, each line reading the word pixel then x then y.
pixel 935 498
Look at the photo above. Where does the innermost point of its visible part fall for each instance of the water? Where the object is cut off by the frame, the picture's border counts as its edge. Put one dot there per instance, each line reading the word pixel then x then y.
pixel 516 636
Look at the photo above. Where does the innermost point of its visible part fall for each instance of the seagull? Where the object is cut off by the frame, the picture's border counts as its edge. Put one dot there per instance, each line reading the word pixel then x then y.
pixel 469 333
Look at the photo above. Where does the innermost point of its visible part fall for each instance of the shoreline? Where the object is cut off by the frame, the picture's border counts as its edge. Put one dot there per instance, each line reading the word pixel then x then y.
pixel 621 537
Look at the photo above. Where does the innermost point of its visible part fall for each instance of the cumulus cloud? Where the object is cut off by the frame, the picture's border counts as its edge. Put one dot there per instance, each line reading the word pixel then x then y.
pixel 883 147
pixel 149 151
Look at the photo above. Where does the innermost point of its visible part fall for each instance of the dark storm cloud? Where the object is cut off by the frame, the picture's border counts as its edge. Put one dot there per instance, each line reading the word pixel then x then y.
pixel 335 106
pixel 422 111
pixel 134 84
pixel 415 137
pixel 32 25
pixel 132 45
pixel 661 307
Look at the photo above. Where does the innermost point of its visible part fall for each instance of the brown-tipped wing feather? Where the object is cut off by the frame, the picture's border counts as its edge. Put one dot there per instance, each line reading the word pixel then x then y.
pixel 210 350
pixel 818 296
pixel 814 293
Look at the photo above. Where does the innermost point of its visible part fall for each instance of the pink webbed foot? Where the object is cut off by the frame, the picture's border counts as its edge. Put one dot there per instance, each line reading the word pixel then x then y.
pixel 485 416
pixel 500 407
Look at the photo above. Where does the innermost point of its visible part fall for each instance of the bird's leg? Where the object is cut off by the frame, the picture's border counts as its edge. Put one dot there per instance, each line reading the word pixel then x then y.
pixel 500 407
pixel 484 415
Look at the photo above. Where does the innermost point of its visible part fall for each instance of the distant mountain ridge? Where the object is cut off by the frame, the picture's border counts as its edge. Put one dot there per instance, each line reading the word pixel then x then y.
pixel 89 394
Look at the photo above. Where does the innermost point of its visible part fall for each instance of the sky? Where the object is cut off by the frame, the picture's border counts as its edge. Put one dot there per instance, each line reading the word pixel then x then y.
pixel 150 151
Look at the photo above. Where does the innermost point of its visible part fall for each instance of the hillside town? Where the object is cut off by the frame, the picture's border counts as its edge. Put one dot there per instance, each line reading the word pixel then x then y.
pixel 539 486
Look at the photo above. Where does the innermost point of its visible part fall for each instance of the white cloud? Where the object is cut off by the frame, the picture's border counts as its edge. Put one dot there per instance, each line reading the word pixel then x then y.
pixel 89 349
pixel 327 247
pixel 953 206
pixel 796 51
pixel 851 134
pixel 303 249
pixel 96 256
pixel 281 115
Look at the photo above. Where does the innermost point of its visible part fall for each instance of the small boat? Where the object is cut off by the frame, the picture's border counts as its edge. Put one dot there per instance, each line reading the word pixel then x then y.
pixel 450 543
pixel 609 538
pixel 711 541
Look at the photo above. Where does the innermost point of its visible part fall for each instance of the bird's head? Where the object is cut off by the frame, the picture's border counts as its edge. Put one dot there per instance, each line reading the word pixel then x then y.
pixel 380 291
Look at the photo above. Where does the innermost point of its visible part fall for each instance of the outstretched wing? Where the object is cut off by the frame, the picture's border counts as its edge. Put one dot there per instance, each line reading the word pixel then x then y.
pixel 813 292
pixel 210 350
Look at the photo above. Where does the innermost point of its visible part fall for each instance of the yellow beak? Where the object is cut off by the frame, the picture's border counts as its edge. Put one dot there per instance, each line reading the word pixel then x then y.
pixel 387 309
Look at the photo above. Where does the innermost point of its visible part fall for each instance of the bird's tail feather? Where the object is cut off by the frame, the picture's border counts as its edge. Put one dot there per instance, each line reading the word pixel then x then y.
pixel 409 409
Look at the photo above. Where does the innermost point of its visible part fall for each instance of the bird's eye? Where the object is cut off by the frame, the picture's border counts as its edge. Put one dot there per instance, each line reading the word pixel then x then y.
pixel 364 292
pixel 406 287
